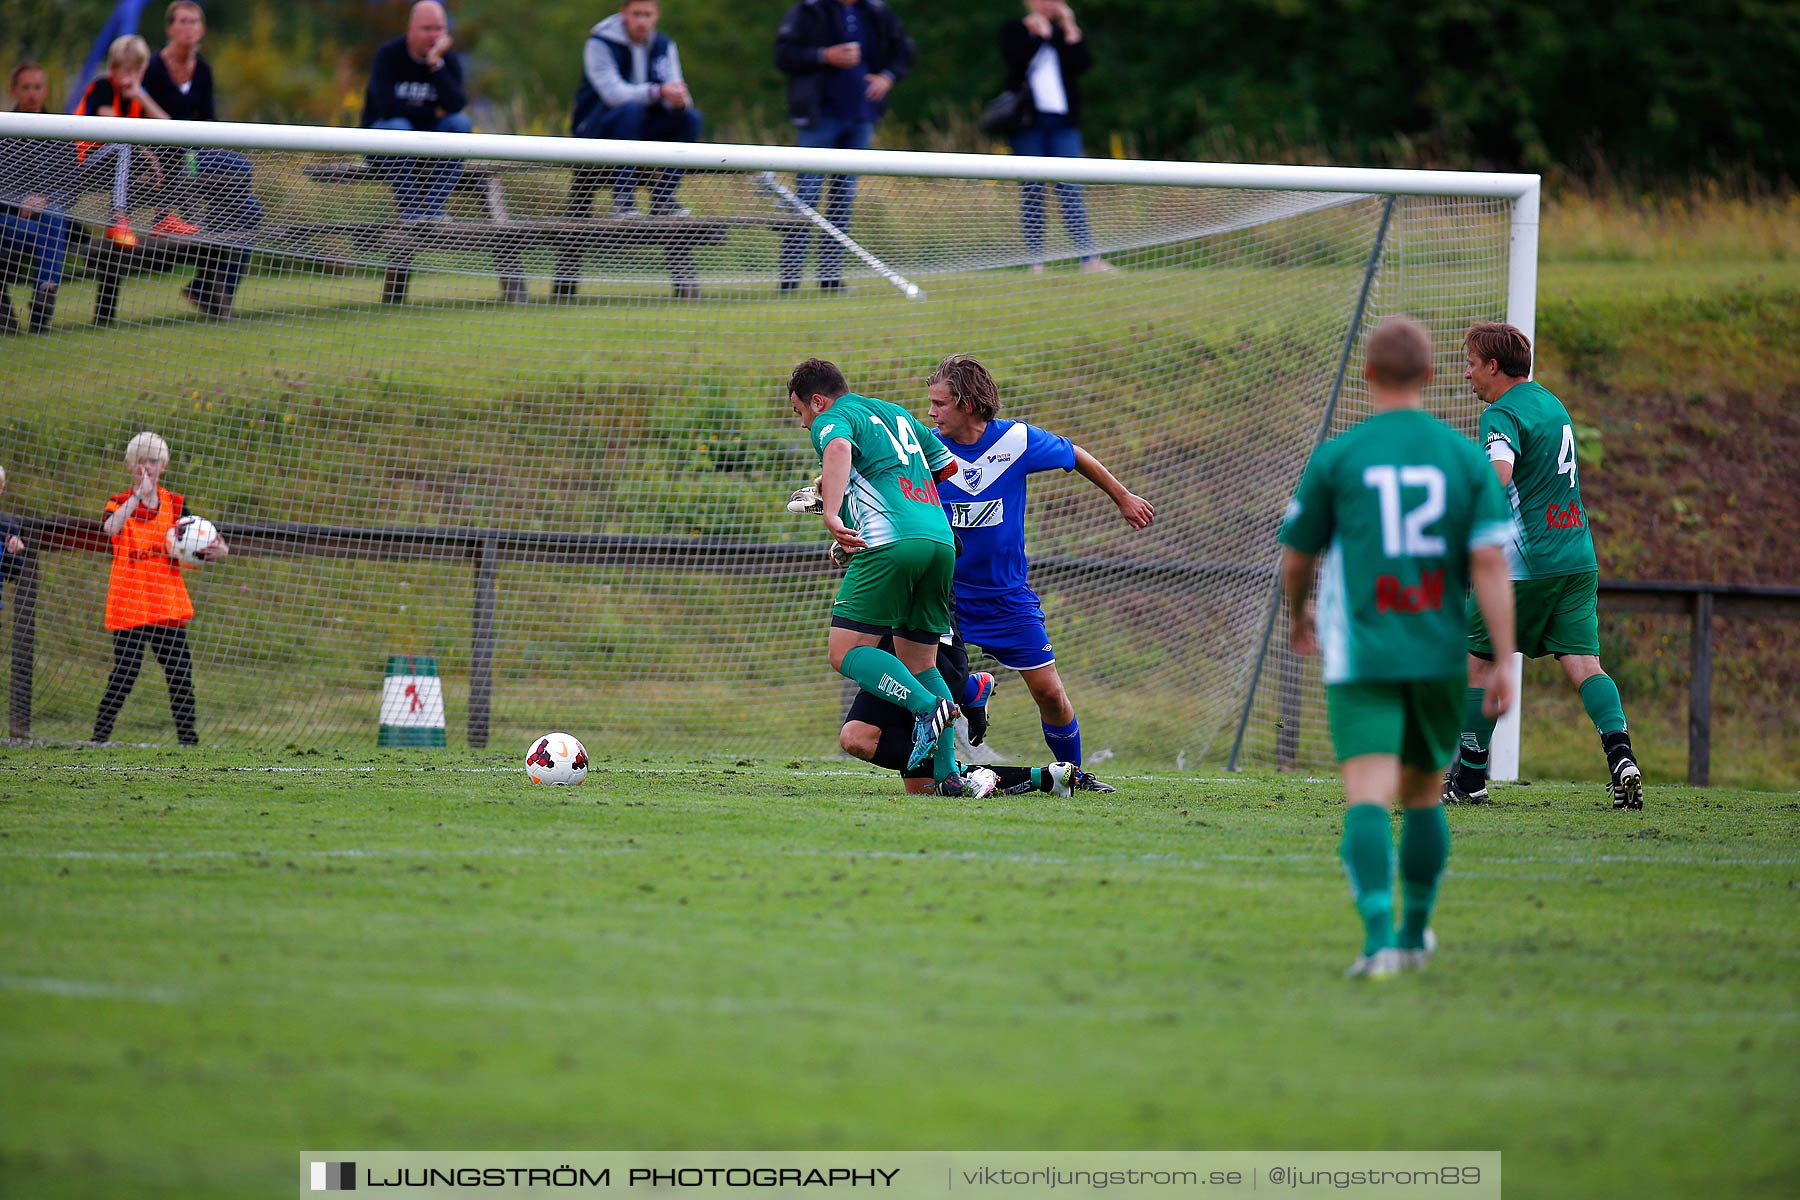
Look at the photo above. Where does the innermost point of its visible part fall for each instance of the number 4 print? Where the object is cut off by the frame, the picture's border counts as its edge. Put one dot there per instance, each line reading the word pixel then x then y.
pixel 1565 458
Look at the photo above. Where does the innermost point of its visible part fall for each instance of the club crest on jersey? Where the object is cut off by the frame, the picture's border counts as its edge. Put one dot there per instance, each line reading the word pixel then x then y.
pixel 971 476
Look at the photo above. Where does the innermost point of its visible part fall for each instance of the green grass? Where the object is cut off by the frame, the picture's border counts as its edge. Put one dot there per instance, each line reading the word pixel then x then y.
pixel 208 968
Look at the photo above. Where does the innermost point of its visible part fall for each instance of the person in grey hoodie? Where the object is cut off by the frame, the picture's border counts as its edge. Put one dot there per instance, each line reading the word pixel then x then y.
pixel 632 89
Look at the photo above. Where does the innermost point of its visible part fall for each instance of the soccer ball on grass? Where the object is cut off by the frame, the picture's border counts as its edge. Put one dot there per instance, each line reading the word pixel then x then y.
pixel 556 758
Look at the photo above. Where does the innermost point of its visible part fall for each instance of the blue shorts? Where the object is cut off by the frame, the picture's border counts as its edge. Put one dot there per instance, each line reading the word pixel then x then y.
pixel 1013 636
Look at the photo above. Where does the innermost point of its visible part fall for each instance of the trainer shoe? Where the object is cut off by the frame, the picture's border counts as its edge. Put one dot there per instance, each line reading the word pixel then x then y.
pixel 1383 964
pixel 950 785
pixel 1418 960
pixel 121 234
pixel 1066 779
pixel 1085 782
pixel 1454 794
pixel 172 225
pixel 926 728
pixel 1627 785
pixel 205 302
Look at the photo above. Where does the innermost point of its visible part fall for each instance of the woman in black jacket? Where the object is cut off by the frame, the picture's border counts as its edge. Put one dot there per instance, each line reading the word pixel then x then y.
pixel 181 81
pixel 1046 56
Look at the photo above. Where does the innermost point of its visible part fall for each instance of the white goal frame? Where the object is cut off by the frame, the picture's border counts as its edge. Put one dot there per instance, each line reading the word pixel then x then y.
pixel 1523 190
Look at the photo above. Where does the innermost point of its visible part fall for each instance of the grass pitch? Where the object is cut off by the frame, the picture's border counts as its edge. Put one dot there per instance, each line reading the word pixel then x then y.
pixel 205 969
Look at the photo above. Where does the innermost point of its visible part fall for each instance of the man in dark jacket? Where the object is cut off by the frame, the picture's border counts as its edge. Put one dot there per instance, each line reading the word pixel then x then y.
pixel 36 193
pixel 632 89
pixel 841 57
pixel 415 82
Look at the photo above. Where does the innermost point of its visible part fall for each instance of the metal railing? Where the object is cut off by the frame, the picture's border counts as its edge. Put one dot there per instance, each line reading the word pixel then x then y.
pixel 486 550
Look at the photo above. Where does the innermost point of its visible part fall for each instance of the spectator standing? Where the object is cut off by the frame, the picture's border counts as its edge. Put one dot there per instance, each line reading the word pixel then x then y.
pixel 36 193
pixel 1046 56
pixel 180 80
pixel 416 82
pixel 147 603
pixel 632 89
pixel 842 58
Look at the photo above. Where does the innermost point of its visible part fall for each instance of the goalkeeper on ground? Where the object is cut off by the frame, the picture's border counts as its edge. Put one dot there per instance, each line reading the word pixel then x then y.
pixel 881 733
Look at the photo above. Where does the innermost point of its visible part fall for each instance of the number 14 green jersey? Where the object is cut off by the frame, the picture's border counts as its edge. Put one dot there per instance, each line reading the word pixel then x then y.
pixel 1396 504
pixel 894 460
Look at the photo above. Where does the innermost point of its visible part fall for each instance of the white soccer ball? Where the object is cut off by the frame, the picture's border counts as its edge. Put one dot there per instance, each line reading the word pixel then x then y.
pixel 190 536
pixel 556 758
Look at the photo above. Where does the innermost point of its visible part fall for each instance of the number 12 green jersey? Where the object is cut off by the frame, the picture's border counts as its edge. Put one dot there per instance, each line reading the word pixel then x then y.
pixel 894 461
pixel 1396 504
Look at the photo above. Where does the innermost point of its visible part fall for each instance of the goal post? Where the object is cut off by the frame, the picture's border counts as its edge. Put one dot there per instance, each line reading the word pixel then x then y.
pixel 547 444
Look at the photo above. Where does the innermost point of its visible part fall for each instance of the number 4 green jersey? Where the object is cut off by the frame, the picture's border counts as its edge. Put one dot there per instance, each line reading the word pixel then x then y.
pixel 1529 428
pixel 894 460
pixel 1396 504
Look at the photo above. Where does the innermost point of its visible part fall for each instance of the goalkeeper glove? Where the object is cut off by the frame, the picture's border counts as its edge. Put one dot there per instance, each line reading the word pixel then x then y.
pixel 807 499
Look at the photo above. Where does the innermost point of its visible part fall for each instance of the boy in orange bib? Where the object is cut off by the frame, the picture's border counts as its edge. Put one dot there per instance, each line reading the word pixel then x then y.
pixel 147 603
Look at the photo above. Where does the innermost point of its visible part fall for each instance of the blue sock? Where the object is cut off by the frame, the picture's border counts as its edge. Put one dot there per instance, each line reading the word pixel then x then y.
pixel 1065 741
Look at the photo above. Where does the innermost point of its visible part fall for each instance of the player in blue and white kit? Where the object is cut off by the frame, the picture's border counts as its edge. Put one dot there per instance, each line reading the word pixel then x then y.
pixel 985 500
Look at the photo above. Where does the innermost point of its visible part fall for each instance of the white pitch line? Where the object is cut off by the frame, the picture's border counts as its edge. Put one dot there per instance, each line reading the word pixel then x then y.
pixel 275 855
pixel 1469 868
pixel 474 999
pixel 597 770
pixel 77 989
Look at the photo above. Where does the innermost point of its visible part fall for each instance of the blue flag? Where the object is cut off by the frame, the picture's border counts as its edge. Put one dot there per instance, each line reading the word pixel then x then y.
pixel 124 20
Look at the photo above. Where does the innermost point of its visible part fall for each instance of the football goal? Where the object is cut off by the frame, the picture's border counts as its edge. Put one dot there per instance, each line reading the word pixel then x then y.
pixel 511 411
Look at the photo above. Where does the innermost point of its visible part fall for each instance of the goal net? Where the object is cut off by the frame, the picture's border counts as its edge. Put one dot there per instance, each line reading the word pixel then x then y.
pixel 517 421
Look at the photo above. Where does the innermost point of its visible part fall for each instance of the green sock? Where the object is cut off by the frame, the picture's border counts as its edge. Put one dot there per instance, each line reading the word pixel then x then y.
pixel 1600 696
pixel 1424 849
pixel 943 759
pixel 1368 852
pixel 1478 731
pixel 885 677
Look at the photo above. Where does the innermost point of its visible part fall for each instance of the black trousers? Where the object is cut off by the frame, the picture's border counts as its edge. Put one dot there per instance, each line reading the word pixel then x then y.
pixel 170 645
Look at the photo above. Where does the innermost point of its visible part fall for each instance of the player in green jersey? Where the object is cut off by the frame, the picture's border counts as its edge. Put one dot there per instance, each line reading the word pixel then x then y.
pixel 1407 516
pixel 879 485
pixel 1530 440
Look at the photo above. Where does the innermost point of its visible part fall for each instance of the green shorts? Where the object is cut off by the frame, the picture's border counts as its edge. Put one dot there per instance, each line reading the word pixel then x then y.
pixel 1420 720
pixel 902 588
pixel 1558 615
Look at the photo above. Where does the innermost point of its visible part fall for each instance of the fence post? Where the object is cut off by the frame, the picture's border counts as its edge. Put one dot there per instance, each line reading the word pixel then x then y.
pixel 24 643
pixel 1287 736
pixel 1700 692
pixel 481 642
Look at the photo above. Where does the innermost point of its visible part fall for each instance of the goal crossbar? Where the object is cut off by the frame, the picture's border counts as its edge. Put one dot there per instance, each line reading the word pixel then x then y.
pixel 702 156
